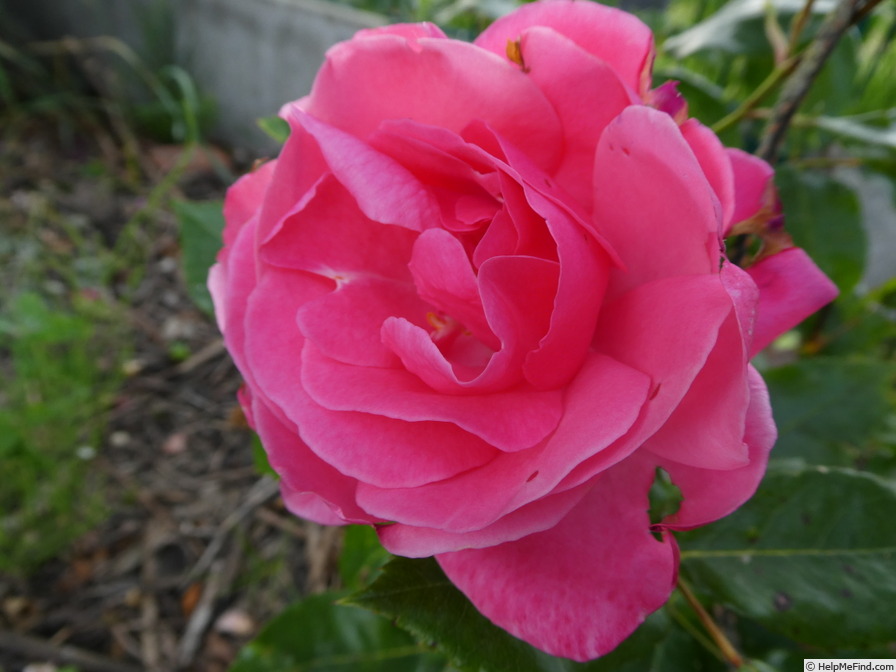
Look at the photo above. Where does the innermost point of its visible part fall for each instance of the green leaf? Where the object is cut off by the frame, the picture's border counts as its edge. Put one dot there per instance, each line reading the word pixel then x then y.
pixel 828 408
pixel 421 599
pixel 201 225
pixel 729 29
pixel 418 595
pixel 811 557
pixel 823 217
pixel 260 459
pixel 856 129
pixel 362 556
pixel 319 634
pixel 275 128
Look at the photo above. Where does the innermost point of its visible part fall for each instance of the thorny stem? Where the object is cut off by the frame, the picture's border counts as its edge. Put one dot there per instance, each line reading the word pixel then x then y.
pixel 721 640
pixel 846 13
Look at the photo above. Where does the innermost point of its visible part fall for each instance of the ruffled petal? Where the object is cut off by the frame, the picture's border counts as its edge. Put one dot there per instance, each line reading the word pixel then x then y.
pixel 514 479
pixel 273 343
pixel 752 181
pixel 540 515
pixel 443 83
pixel 578 589
pixel 328 234
pixel 714 160
pixel 510 420
pixel 301 471
pixel 616 37
pixel 445 279
pixel 390 453
pixel 712 494
pixel 409 31
pixel 791 287
pixel 707 427
pixel 672 344
pixel 243 200
pixel 653 202
pixel 236 279
pixel 586 93
pixel 346 324
pixel 384 190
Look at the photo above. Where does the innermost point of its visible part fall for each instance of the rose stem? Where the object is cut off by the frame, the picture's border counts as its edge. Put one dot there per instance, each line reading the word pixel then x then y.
pixel 725 646
pixel 795 89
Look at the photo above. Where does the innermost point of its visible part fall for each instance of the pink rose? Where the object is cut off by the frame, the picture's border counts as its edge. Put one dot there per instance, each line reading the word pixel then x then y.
pixel 483 294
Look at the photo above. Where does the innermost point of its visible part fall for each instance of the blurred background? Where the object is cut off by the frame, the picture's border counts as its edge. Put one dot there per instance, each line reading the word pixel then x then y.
pixel 140 528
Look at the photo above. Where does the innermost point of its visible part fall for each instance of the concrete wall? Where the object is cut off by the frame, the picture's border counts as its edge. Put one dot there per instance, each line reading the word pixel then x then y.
pixel 251 56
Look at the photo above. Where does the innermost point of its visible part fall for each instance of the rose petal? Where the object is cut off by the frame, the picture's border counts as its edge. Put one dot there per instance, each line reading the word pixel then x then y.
pixel 297 172
pixel 791 287
pixel 714 160
pixel 390 453
pixel 666 328
pixel 752 177
pixel 586 93
pixel 540 515
pixel 443 83
pixel 513 480
pixel 329 235
pixel 346 324
pixel 302 471
pixel 517 295
pixel 509 420
pixel 409 31
pixel 384 190
pixel 711 494
pixel 616 37
pixel 653 202
pixel 578 589
pixel 445 279
pixel 273 342
pixel 707 427
pixel 243 200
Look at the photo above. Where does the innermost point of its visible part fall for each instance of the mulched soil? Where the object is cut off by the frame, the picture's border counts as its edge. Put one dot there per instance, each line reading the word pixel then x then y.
pixel 198 551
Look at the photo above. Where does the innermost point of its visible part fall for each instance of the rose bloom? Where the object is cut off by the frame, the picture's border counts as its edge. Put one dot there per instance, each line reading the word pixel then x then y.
pixel 483 295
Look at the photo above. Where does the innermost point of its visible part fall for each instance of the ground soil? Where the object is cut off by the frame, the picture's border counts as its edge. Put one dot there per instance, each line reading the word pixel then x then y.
pixel 197 551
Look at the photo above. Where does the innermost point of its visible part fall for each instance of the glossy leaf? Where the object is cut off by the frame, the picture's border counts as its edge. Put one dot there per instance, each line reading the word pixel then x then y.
pixel 725 30
pixel 319 634
pixel 275 128
pixel 811 557
pixel 421 599
pixel 823 217
pixel 418 595
pixel 201 224
pixel 362 556
pixel 828 409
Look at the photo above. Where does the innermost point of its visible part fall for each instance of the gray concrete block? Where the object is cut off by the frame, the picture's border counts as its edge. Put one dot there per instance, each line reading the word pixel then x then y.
pixel 250 56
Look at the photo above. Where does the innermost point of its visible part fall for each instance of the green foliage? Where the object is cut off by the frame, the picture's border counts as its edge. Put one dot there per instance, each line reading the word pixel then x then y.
pixel 823 218
pixel 421 599
pixel 831 410
pixel 320 634
pixel 55 389
pixel 201 224
pixel 275 128
pixel 362 556
pixel 811 557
